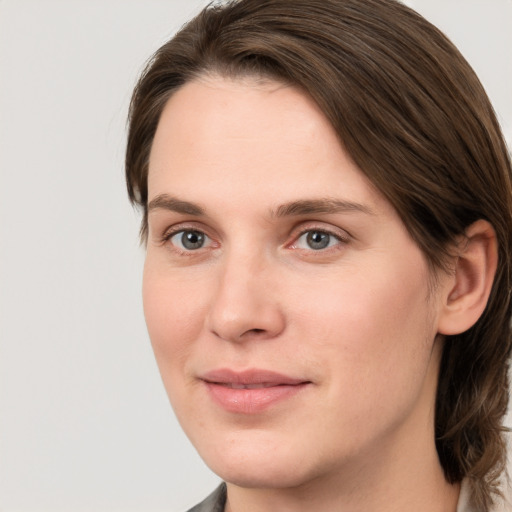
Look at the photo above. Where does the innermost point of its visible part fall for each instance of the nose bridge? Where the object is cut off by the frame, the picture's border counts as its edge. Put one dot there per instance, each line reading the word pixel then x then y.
pixel 245 304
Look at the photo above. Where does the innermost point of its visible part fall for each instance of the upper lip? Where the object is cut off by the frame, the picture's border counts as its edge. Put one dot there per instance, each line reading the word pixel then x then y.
pixel 252 377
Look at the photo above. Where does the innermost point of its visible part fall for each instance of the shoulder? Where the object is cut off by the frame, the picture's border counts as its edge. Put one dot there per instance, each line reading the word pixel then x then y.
pixel 465 505
pixel 215 502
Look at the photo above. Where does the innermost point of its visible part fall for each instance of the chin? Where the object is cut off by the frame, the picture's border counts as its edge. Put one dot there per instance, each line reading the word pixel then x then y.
pixel 260 475
pixel 257 462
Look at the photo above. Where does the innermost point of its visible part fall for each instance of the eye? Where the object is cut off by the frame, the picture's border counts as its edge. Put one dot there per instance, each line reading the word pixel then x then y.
pixel 316 240
pixel 189 240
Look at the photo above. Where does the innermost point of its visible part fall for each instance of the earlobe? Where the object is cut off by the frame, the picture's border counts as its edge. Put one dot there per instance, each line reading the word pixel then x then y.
pixel 470 285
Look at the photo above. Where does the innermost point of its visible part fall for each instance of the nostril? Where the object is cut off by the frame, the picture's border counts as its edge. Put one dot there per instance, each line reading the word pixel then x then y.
pixel 254 332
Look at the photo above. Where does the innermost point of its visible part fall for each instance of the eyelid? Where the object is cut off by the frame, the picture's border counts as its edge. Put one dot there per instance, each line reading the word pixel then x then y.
pixel 207 239
pixel 305 227
pixel 340 234
pixel 171 231
pixel 297 231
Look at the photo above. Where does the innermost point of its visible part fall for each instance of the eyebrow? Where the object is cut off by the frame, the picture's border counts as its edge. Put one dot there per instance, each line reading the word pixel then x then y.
pixel 320 206
pixel 292 209
pixel 167 202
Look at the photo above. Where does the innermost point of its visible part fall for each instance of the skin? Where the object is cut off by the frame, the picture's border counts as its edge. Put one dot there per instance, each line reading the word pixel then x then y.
pixel 357 320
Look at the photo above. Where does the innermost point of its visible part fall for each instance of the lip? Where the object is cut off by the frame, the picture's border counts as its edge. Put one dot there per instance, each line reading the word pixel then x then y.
pixel 251 391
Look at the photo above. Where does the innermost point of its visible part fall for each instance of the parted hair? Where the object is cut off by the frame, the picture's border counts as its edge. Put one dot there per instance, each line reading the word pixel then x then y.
pixel 414 117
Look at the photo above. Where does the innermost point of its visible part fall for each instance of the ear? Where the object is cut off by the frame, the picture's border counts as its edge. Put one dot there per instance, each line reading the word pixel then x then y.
pixel 470 285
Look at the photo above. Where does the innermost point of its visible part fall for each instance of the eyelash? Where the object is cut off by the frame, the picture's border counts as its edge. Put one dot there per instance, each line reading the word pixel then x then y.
pixel 168 235
pixel 341 240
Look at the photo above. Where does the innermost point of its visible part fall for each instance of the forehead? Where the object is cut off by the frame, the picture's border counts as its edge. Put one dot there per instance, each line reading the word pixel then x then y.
pixel 257 140
pixel 214 112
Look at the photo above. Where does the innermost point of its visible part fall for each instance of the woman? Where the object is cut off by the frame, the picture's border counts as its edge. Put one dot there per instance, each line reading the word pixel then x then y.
pixel 327 209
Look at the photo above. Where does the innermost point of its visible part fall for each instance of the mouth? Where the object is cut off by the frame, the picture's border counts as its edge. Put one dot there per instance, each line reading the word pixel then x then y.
pixel 232 385
pixel 251 391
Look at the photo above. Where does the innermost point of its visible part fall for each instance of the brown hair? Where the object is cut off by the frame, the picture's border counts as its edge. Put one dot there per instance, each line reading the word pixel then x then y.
pixel 414 117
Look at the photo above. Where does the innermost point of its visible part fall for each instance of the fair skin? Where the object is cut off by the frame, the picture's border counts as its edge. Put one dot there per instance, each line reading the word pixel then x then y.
pixel 269 251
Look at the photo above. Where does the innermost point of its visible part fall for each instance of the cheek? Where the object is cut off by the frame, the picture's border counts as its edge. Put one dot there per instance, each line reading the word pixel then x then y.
pixel 371 351
pixel 174 314
pixel 372 329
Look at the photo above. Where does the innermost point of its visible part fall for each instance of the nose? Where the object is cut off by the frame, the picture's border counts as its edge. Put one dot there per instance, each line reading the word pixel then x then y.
pixel 245 304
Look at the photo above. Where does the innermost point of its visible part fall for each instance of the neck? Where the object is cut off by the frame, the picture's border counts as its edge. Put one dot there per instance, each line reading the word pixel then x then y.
pixel 400 486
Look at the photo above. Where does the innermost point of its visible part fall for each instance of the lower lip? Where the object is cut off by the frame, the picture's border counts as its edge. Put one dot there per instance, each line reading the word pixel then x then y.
pixel 252 401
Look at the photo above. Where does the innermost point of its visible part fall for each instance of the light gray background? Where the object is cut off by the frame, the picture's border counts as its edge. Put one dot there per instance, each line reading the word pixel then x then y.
pixel 84 420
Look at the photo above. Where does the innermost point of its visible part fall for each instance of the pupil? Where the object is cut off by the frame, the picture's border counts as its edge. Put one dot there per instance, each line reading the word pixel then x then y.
pixel 318 240
pixel 192 239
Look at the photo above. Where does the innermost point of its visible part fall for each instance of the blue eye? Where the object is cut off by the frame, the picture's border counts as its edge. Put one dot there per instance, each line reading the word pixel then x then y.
pixel 189 240
pixel 316 240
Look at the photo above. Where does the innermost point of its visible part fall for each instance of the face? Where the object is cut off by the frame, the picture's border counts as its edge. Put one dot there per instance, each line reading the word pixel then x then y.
pixel 288 307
